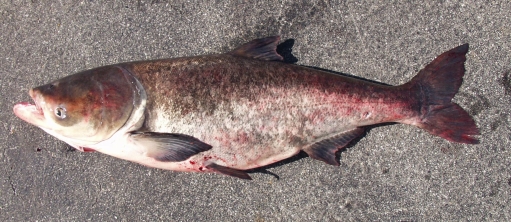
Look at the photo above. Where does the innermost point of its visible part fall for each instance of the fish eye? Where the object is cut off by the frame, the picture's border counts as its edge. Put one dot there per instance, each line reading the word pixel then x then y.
pixel 60 112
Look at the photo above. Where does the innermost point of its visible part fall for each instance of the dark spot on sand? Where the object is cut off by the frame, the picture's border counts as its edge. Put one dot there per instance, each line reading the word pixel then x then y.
pixel 428 175
pixel 506 82
pixel 348 206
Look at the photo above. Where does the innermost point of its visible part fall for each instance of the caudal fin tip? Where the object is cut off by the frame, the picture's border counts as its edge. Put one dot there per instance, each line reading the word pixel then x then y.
pixel 469 139
pixel 463 49
pixel 458 135
pixel 474 141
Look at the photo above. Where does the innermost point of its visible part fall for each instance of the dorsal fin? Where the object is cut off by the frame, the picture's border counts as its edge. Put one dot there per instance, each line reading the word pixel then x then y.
pixel 262 49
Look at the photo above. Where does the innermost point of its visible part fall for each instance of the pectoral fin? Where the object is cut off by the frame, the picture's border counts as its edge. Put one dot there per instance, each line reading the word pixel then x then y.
pixel 169 147
pixel 229 171
pixel 325 149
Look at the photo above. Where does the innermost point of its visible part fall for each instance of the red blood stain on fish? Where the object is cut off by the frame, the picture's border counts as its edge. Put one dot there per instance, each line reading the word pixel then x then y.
pixel 242 137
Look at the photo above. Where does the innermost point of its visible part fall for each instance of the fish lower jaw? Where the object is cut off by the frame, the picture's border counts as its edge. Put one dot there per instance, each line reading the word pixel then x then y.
pixel 28 112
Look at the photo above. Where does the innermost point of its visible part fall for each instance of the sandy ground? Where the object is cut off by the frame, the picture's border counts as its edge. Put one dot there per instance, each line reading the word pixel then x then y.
pixel 395 173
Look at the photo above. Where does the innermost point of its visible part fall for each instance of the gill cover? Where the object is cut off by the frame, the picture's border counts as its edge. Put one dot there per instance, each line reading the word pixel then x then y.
pixel 90 106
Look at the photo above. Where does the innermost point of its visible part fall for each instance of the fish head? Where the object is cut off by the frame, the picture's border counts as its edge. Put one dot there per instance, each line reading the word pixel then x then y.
pixel 84 108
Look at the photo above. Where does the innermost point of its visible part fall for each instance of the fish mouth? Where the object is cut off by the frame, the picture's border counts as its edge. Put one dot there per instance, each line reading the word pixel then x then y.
pixel 30 112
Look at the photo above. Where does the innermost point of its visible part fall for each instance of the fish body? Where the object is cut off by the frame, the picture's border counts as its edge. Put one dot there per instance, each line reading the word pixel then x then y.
pixel 240 110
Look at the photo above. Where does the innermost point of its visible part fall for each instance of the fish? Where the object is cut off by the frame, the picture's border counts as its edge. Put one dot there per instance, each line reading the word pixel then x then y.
pixel 241 110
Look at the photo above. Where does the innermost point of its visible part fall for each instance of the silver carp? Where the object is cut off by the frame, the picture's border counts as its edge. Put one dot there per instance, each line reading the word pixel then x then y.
pixel 227 113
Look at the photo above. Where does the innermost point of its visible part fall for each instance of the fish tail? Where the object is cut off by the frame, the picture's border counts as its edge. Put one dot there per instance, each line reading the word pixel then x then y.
pixel 436 85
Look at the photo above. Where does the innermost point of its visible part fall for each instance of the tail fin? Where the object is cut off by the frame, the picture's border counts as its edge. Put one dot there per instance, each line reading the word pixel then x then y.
pixel 437 84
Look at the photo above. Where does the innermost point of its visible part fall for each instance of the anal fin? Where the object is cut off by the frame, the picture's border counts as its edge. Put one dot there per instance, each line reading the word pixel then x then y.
pixel 325 150
pixel 229 171
pixel 169 147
